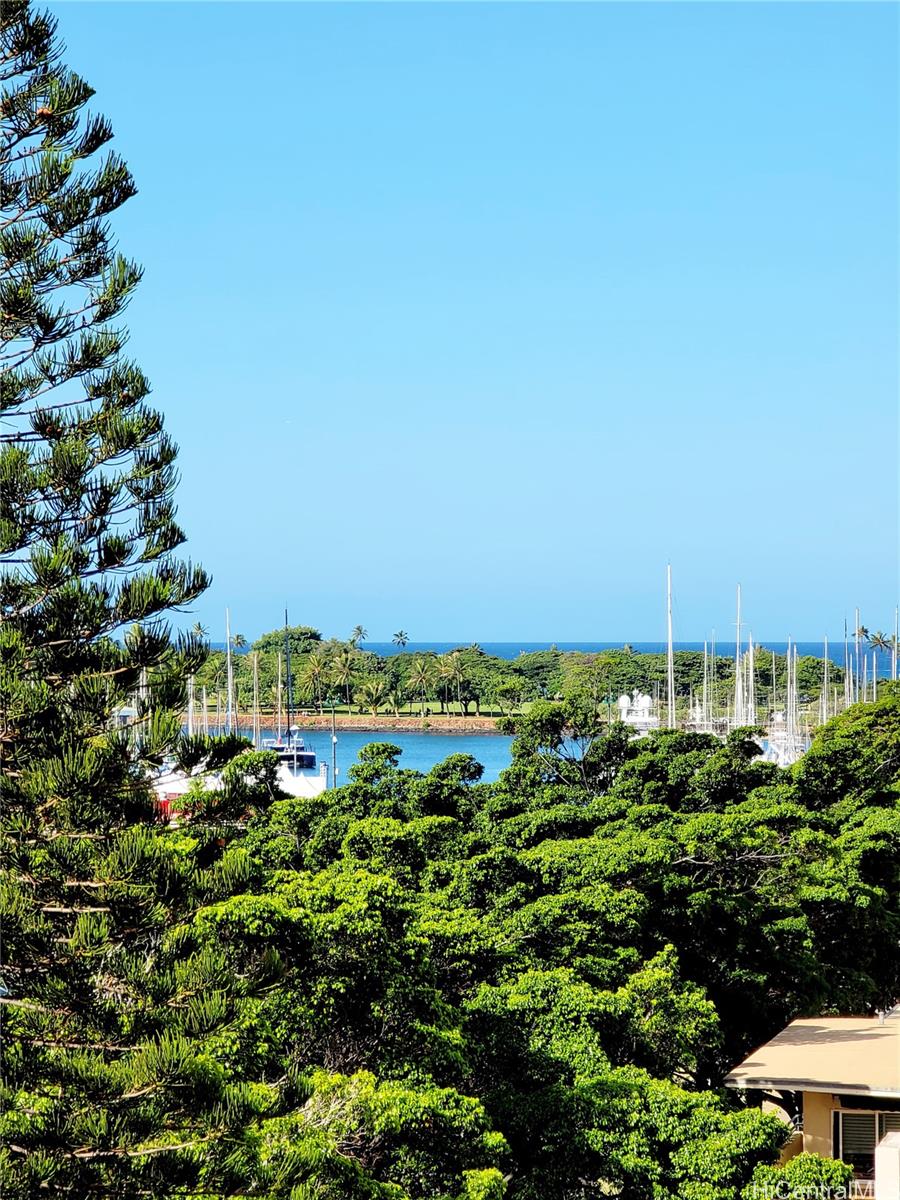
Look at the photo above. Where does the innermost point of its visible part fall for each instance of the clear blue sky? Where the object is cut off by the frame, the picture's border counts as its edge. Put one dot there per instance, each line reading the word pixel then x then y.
pixel 469 317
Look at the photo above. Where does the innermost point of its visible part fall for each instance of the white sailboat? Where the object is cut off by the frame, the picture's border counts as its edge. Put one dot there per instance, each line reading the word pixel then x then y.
pixel 750 704
pixel 738 718
pixel 256 729
pixel 786 742
pixel 823 699
pixel 278 702
pixel 291 750
pixel 704 695
pixel 713 684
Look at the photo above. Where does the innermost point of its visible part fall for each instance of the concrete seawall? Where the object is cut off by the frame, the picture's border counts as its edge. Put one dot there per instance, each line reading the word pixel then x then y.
pixel 366 723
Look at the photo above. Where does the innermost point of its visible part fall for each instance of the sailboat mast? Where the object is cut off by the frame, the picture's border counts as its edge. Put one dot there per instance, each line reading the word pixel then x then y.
pixel 713 681
pixel 704 707
pixel 229 675
pixel 290 689
pixel 796 698
pixel 278 700
pixel 856 643
pixel 895 645
pixel 825 684
pixel 256 737
pixel 205 702
pixel 333 749
pixel 789 694
pixel 670 651
pixel 848 688
pixel 190 706
pixel 738 681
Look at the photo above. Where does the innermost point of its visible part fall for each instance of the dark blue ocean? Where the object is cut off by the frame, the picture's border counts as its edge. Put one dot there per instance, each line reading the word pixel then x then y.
pixel 511 650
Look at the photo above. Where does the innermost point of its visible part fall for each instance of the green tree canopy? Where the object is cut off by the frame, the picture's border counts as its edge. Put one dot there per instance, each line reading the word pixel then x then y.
pixel 301 638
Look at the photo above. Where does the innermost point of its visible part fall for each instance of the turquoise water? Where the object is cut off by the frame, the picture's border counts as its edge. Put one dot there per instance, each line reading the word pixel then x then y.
pixel 420 751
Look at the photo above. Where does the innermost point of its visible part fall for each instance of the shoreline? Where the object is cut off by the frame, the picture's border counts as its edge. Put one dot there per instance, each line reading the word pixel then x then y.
pixel 362 723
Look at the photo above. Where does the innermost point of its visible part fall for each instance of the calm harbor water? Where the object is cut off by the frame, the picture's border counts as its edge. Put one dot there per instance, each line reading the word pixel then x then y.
pixel 421 751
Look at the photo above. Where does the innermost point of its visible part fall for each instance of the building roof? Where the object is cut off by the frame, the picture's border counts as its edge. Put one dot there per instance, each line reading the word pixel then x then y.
pixel 851 1055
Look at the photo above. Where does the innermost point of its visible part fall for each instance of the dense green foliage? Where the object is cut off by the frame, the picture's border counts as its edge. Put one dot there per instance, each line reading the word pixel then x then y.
pixel 806 1177
pixel 425 986
pixel 87 535
pixel 416 987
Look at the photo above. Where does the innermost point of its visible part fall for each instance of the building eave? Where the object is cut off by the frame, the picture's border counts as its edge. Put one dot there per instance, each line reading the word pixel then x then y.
pixel 832 1087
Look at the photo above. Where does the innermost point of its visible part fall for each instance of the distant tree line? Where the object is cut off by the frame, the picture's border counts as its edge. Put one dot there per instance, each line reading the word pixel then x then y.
pixel 467 680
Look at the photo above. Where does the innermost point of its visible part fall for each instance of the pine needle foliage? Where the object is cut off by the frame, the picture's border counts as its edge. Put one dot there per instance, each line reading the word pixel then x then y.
pixel 106 1088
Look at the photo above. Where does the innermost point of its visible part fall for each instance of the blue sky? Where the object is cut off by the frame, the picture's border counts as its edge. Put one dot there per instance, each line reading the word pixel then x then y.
pixel 468 318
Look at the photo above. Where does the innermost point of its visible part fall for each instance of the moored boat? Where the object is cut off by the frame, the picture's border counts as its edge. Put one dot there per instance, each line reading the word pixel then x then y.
pixel 291 752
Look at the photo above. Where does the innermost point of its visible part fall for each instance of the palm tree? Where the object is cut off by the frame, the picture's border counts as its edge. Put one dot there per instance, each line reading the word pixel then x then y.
pixel 445 674
pixel 400 638
pixel 372 694
pixel 306 688
pixel 199 630
pixel 358 635
pixel 458 676
pixel 238 641
pixel 420 676
pixel 878 641
pixel 343 668
pixel 395 699
pixel 315 668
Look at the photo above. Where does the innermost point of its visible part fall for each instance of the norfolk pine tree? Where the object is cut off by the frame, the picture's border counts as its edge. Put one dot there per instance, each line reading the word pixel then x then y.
pixel 102 1024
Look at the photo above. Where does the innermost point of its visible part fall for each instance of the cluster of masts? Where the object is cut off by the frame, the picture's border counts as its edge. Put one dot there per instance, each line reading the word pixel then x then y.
pixel 287 743
pixel 225 716
pixel 787 722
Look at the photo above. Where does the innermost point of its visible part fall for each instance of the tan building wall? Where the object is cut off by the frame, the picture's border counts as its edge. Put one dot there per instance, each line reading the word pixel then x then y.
pixel 817 1108
pixel 794 1144
pixel 791 1148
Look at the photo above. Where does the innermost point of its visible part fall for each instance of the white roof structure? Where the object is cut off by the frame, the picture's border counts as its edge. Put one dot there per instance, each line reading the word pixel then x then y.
pixel 857 1056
